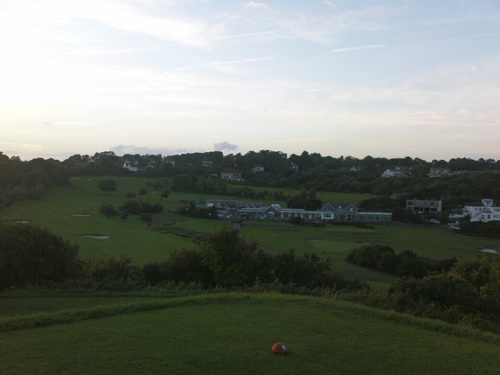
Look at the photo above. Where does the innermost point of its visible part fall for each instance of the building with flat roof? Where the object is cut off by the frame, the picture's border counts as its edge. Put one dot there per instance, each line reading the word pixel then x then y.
pixel 424 205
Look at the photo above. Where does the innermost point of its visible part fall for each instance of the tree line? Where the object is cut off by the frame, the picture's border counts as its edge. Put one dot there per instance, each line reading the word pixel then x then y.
pixel 190 172
pixel 405 264
pixel 20 180
pixel 31 255
pixel 474 179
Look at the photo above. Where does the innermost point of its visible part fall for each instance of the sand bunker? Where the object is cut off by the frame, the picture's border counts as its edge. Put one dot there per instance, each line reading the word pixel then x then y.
pixel 96 236
pixel 491 251
pixel 24 222
pixel 80 215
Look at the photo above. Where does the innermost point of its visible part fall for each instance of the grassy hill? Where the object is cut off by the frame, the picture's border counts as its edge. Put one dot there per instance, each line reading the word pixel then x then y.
pixel 226 333
pixel 233 333
pixel 73 212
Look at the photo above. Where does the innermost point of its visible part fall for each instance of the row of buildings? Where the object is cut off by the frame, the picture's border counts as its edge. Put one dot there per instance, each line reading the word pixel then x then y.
pixel 335 212
pixel 348 212
pixel 406 172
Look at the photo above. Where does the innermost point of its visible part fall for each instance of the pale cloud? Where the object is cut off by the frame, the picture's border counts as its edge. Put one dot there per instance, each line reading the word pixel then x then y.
pixel 225 146
pixel 330 4
pixel 20 146
pixel 143 150
pixel 356 48
pixel 61 21
pixel 255 5
pixel 330 26
pixel 230 66
pixel 191 32
pixel 107 51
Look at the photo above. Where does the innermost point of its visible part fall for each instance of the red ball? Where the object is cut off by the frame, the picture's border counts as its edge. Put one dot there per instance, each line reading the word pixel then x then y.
pixel 279 348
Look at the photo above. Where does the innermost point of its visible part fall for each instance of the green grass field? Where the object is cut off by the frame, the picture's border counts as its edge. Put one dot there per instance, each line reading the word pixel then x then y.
pixel 99 333
pixel 233 334
pixel 73 211
pixel 133 238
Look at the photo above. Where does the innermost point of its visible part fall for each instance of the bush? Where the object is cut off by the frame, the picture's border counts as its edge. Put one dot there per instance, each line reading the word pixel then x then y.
pixel 114 273
pixel 147 218
pixel 225 260
pixel 30 254
pixel 107 210
pixel 107 185
pixel 404 264
pixel 185 266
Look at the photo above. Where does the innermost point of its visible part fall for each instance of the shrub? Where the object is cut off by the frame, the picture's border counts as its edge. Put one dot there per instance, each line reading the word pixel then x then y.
pixel 146 217
pixel 30 254
pixel 404 264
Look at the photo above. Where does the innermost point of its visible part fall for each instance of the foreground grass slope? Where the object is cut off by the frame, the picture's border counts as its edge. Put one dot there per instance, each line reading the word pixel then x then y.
pixel 233 334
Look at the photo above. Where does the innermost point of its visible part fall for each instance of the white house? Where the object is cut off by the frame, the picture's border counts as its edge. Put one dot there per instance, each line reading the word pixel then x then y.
pixel 349 212
pixel 439 172
pixel 398 172
pixel 231 174
pixel 132 166
pixel 485 213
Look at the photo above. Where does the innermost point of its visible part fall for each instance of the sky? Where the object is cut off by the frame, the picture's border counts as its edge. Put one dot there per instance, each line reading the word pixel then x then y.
pixel 341 78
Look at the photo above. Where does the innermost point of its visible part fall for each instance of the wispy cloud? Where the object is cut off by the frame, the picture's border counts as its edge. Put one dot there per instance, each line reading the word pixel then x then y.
pixel 255 5
pixel 330 4
pixel 182 30
pixel 57 20
pixel 261 35
pixel 107 51
pixel 356 48
pixel 225 65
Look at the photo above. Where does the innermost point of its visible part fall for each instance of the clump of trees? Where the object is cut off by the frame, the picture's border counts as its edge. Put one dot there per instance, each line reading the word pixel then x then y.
pixel 30 254
pixel 107 185
pixel 224 259
pixel 468 293
pixel 465 291
pixel 132 206
pixel 20 180
pixel 192 210
pixel 405 264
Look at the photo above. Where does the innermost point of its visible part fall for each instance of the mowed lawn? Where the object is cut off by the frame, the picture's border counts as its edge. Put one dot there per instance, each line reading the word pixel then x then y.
pixel 233 334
